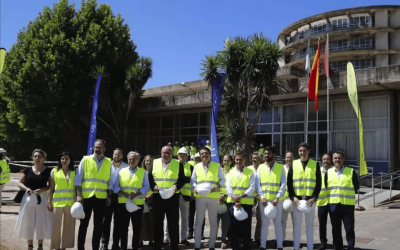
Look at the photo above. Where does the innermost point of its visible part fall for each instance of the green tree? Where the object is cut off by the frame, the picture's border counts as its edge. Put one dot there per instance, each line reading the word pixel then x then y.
pixel 250 65
pixel 47 83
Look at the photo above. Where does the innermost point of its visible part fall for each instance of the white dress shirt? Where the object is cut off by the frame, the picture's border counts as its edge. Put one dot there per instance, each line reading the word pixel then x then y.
pixel 221 176
pixel 281 191
pixel 249 191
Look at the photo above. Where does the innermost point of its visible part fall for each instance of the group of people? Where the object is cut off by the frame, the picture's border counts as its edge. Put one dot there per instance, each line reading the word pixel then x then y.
pixel 103 186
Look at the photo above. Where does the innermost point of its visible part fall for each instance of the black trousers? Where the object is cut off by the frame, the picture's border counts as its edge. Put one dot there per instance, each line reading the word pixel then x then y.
pixel 170 208
pixel 323 212
pixel 342 213
pixel 136 219
pixel 111 210
pixel 98 207
pixel 192 213
pixel 240 229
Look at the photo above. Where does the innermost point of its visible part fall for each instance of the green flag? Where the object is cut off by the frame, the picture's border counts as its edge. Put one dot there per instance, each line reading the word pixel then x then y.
pixel 2 57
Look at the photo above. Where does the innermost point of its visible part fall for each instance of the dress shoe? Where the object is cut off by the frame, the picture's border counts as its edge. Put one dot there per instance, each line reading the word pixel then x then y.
pixel 202 237
pixel 151 243
pixel 262 248
pixel 197 249
pixel 280 248
pixel 185 242
pixel 189 236
pixel 224 245
pixel 140 243
pixel 322 246
pixel 212 248
pixel 104 247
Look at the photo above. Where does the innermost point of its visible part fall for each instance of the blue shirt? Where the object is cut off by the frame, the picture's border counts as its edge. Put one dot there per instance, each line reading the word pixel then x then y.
pixel 116 170
pixel 79 173
pixel 145 182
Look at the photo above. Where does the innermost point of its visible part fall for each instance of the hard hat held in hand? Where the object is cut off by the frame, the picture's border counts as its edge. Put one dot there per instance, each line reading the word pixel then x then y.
pixel 240 214
pixel 77 211
pixel 131 206
pixel 32 201
pixel 288 205
pixel 167 193
pixel 203 188
pixel 254 209
pixel 270 211
pixel 303 207
pixel 221 208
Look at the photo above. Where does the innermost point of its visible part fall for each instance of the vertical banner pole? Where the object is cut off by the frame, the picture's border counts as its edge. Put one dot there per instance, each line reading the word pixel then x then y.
pixel 217 90
pixel 93 125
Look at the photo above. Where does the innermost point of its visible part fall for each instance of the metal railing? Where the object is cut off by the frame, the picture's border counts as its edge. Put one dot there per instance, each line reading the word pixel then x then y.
pixel 28 164
pixel 370 174
pixel 391 183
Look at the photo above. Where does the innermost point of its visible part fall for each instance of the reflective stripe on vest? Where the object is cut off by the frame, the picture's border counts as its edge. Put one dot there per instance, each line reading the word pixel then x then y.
pixel 239 186
pixel 64 193
pixel 95 182
pixel 270 181
pixel 5 174
pixel 187 189
pixel 304 181
pixel 130 185
pixel 255 173
pixel 211 177
pixel 341 191
pixel 170 177
pixel 323 194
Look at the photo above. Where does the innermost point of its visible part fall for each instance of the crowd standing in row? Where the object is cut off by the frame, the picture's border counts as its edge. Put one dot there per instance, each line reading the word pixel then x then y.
pixel 161 188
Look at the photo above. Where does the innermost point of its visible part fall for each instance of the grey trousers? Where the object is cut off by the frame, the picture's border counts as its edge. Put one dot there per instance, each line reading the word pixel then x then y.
pixel 224 218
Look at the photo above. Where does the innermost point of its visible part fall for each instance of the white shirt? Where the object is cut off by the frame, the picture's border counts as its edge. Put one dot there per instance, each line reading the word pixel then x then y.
pixel 165 167
pixel 282 187
pixel 221 176
pixel 249 191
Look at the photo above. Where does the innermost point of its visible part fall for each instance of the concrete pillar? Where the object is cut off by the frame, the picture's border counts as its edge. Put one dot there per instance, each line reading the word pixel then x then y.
pixel 381 18
pixel 395 18
pixel 381 38
pixel 395 36
pixel 282 44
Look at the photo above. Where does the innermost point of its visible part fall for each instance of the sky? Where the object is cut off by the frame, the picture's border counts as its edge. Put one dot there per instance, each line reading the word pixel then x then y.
pixel 178 34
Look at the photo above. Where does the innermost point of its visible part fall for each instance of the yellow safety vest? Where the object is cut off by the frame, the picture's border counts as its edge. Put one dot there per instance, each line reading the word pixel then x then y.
pixel 239 186
pixel 187 189
pixel 170 177
pixel 324 193
pixel 261 150
pixel 176 149
pixel 192 163
pixel 130 185
pixel 64 193
pixel 208 147
pixel 211 177
pixel 270 181
pixel 193 150
pixel 187 148
pixel 95 182
pixel 304 181
pixel 341 191
pixel 286 189
pixel 5 175
pixel 255 173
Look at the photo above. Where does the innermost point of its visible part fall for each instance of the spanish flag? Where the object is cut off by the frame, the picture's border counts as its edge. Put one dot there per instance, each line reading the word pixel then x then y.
pixel 312 84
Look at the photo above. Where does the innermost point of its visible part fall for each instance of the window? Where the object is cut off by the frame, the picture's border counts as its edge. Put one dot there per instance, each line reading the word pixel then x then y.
pixel 357 63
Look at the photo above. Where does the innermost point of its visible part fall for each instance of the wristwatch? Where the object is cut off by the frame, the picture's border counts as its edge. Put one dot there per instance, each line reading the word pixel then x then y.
pixel 138 193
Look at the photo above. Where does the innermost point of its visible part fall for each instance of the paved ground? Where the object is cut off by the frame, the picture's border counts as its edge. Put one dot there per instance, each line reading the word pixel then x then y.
pixel 376 228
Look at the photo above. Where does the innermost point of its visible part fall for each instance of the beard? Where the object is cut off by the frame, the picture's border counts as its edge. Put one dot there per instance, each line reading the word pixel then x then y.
pixel 269 159
pixel 117 160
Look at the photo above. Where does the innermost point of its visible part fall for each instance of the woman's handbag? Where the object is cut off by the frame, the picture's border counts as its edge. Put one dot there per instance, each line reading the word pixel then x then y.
pixel 18 197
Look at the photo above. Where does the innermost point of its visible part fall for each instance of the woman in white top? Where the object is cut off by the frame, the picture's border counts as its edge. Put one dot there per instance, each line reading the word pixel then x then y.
pixel 147 216
pixel 62 196
pixel 33 215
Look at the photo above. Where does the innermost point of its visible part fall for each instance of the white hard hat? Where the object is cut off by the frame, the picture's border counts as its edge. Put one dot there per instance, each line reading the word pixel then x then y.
pixel 221 208
pixel 32 201
pixel 176 142
pixel 261 145
pixel 197 155
pixel 203 188
pixel 254 209
pixel 207 141
pixel 2 150
pixel 77 211
pixel 270 211
pixel 288 205
pixel 131 206
pixel 169 143
pixel 240 214
pixel 167 193
pixel 303 207
pixel 183 151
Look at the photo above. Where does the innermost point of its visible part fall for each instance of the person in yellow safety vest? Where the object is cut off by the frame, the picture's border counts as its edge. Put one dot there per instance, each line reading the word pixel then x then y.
pixel 131 183
pixel 184 199
pixel 166 174
pixel 261 149
pixel 322 202
pixel 240 186
pixel 304 183
pixel 146 233
pixel 206 172
pixel 193 149
pixel 256 159
pixel 342 183
pixel 93 185
pixel 187 147
pixel 271 185
pixel 228 164
pixel 5 174
pixel 208 145
pixel 176 149
pixel 61 197
pixel 289 158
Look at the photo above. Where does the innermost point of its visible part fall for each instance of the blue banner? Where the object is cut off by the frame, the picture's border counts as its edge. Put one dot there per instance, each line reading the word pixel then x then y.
pixel 217 90
pixel 93 125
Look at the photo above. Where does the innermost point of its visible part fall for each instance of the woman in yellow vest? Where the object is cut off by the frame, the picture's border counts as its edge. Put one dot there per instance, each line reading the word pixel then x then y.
pixel 146 233
pixel 131 183
pixel 5 173
pixel 240 186
pixel 61 197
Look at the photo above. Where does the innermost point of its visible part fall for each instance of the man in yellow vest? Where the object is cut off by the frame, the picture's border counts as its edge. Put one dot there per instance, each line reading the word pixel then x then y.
pixel 94 185
pixel 289 158
pixel 261 149
pixel 271 185
pixel 342 183
pixel 322 202
pixel 256 159
pixel 117 165
pixel 5 174
pixel 176 149
pixel 193 149
pixel 240 186
pixel 207 172
pixel 304 183
pixel 208 144
pixel 131 183
pixel 165 174
pixel 184 199
pixel 187 146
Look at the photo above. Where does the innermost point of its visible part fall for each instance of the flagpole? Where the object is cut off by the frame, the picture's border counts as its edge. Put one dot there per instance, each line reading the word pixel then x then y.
pixel 308 76
pixel 328 83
